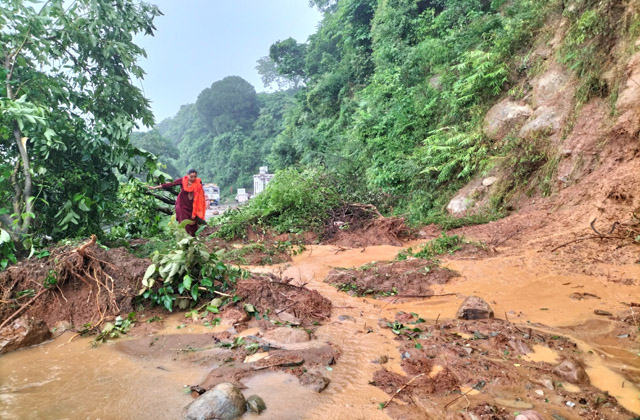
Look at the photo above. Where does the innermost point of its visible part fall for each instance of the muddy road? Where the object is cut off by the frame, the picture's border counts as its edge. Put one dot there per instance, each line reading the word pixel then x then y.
pixel 547 313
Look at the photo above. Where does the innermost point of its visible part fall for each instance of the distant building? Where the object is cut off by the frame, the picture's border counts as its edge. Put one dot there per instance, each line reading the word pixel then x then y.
pixel 242 196
pixel 261 180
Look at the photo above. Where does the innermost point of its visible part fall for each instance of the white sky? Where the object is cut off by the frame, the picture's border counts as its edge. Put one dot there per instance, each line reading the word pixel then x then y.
pixel 198 42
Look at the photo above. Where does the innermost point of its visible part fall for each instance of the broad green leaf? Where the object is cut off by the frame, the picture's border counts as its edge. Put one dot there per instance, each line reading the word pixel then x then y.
pixel 150 271
pixel 4 236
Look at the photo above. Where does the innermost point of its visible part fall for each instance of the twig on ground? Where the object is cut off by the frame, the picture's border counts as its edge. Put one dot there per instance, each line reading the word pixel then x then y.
pixel 401 389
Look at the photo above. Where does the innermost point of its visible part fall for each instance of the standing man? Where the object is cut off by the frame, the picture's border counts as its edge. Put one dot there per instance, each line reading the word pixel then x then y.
pixel 190 204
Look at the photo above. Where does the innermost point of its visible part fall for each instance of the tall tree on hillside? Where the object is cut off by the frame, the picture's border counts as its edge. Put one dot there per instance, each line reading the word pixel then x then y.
pixel 288 57
pixel 67 106
pixel 228 103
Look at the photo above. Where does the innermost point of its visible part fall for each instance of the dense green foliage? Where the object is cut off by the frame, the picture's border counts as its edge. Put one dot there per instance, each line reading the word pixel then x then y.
pixel 186 273
pixel 227 135
pixel 393 96
pixel 67 105
pixel 293 202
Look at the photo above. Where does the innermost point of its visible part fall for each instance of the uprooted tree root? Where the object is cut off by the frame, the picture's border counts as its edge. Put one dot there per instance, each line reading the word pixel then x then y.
pixel 65 273
pixel 355 224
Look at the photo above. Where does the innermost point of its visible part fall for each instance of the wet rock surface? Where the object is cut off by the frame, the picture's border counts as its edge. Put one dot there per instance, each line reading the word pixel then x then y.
pixel 224 402
pixel 256 404
pixel 314 381
pixel 474 307
pixel 23 332
pixel 571 371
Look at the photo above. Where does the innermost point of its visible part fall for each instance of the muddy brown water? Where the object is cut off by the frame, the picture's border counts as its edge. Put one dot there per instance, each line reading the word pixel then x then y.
pixel 66 379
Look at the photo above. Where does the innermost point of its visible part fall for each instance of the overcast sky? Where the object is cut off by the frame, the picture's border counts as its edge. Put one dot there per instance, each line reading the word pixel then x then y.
pixel 199 42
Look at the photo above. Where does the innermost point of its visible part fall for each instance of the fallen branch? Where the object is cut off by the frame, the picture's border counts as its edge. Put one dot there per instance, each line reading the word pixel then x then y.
pixel 586 239
pixel 401 389
pixel 22 308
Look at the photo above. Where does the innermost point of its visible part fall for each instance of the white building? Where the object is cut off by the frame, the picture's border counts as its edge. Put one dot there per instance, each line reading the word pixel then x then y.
pixel 261 180
pixel 242 196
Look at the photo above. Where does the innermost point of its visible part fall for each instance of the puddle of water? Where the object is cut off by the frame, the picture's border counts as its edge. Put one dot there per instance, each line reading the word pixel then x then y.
pixel 282 394
pixel 542 354
pixel 61 380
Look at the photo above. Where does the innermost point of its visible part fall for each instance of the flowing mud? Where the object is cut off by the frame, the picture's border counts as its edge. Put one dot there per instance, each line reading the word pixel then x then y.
pixel 544 316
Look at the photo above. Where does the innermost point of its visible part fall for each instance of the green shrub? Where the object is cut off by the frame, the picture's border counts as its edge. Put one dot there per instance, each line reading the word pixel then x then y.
pixel 185 274
pixel 293 202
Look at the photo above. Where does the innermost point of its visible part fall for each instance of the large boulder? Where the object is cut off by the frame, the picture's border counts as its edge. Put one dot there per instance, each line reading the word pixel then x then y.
pixel 23 332
pixel 224 402
pixel 474 307
pixel 505 117
pixel 550 85
pixel 459 205
pixel 545 121
pixel 572 372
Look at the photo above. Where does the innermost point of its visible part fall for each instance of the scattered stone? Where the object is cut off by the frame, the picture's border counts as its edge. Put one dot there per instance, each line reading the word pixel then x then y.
pixel 487 182
pixel 346 318
pixel 571 372
pixel 504 117
pixel 232 316
pixel 197 390
pixel 545 382
pixel 287 317
pixel 474 307
pixel 23 332
pixel 539 392
pixel 255 357
pixel 316 382
pixel 286 335
pixel 224 402
pixel 381 360
pixel 529 415
pixel 601 312
pixel 570 404
pixel 256 404
pixel 406 355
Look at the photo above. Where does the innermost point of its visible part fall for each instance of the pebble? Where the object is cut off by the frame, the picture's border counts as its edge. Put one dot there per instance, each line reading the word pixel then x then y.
pixel 601 312
pixel 570 404
pixel 539 392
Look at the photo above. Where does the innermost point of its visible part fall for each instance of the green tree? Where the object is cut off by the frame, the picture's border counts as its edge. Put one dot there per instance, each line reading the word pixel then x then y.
pixel 288 58
pixel 161 147
pixel 67 107
pixel 228 103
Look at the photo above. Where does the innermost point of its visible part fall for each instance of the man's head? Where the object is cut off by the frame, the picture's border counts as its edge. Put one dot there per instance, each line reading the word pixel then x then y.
pixel 192 174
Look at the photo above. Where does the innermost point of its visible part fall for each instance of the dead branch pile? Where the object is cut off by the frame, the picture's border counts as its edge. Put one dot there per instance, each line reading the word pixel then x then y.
pixel 268 292
pixel 356 216
pixel 627 230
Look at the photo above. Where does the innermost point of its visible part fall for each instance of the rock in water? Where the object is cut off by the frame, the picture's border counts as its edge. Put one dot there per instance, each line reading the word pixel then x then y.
pixel 224 402
pixel 571 371
pixel 474 307
pixel 256 404
pixel 23 332
pixel 316 382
